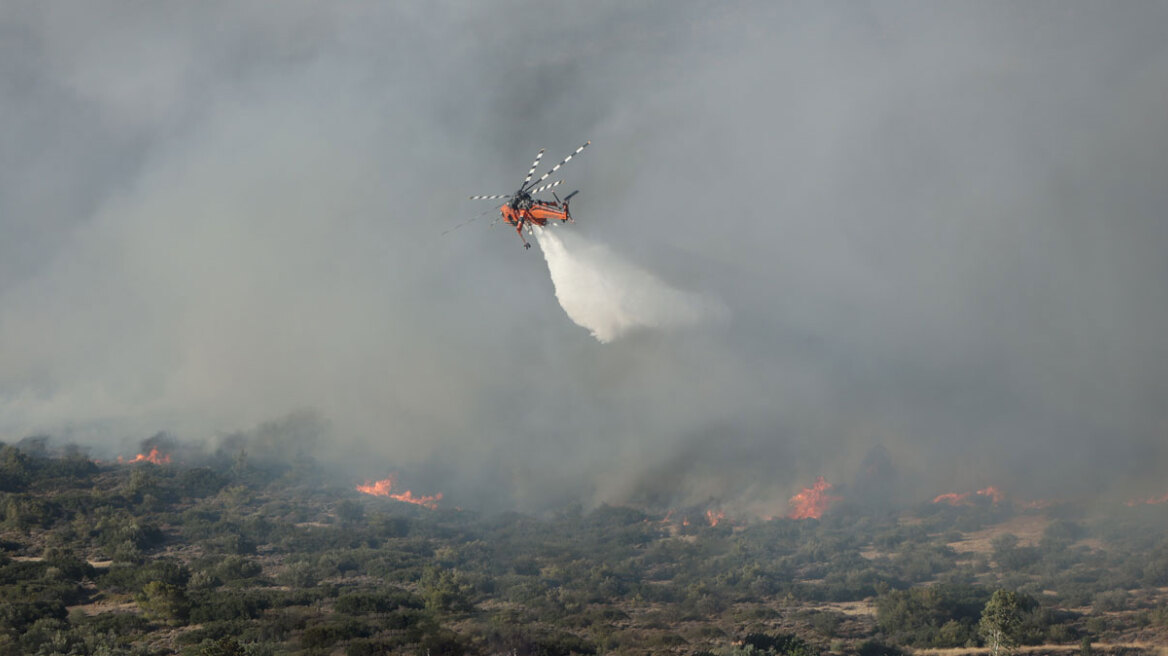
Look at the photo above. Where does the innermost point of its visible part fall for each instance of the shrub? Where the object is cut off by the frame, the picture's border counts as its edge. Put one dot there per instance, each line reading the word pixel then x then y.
pixel 360 603
pixel 782 644
pixel 164 601
pixel 328 634
pixel 228 605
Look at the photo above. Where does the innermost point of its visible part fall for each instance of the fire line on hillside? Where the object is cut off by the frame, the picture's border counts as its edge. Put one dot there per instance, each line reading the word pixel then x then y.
pixel 154 457
pixel 384 488
pixel 812 501
pixel 963 499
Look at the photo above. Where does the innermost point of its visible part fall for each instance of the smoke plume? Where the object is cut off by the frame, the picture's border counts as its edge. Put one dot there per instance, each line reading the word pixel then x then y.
pixel 938 235
pixel 611 297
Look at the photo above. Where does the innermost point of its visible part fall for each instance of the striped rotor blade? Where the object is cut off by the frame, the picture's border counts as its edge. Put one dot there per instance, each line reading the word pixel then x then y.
pixel 547 186
pixel 557 166
pixel 490 197
pixel 468 221
pixel 533 165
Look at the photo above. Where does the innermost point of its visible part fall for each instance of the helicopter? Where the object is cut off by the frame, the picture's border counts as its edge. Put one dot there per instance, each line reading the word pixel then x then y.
pixel 522 209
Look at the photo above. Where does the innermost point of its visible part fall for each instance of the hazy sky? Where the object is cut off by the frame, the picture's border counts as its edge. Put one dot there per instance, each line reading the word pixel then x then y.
pixel 940 228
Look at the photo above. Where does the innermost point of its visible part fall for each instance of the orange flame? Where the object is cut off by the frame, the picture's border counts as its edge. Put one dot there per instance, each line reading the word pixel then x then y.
pixel 954 499
pixel 383 488
pixel 713 517
pixel 812 501
pixel 154 458
pixel 1150 501
pixel 993 493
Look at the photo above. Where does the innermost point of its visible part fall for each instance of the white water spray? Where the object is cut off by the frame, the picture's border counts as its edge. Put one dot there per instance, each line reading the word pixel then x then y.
pixel 611 297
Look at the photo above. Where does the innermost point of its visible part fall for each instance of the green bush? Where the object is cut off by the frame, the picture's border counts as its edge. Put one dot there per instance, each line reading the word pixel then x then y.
pixel 445 590
pixel 330 633
pixel 17 616
pixel 226 605
pixel 782 644
pixel 164 601
pixel 915 616
pixel 382 601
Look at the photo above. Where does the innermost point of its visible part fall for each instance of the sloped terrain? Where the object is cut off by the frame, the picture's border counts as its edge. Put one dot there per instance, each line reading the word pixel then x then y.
pixel 229 556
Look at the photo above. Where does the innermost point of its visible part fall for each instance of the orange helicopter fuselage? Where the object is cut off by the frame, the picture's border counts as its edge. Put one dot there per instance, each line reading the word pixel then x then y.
pixel 539 213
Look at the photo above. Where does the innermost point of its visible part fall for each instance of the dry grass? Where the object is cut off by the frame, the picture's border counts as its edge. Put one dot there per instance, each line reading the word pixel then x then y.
pixel 1028 528
pixel 852 608
pixel 106 606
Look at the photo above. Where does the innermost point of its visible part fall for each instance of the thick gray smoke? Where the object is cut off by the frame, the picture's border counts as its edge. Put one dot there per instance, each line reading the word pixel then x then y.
pixel 936 228
pixel 609 296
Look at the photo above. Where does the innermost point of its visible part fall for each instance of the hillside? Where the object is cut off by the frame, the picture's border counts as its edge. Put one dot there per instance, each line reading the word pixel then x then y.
pixel 234 556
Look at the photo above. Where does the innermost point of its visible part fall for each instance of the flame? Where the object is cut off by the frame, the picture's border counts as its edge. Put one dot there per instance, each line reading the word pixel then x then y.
pixel 1150 501
pixel 962 499
pixel 383 488
pixel 993 493
pixel 713 517
pixel 812 501
pixel 953 499
pixel 154 457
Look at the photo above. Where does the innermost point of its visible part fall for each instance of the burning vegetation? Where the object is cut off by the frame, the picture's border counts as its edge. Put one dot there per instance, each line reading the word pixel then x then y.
pixel 992 493
pixel 384 488
pixel 812 501
pixel 233 555
pixel 1150 501
pixel 155 457
pixel 688 521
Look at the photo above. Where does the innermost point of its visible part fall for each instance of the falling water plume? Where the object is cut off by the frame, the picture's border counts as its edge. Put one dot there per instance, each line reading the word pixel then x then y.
pixel 610 296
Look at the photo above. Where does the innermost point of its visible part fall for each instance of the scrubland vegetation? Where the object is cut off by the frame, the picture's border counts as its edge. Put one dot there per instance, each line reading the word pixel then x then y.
pixel 237 557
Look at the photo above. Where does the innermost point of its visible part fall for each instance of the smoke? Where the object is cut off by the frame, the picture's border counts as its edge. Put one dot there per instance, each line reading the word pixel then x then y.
pixel 611 297
pixel 938 231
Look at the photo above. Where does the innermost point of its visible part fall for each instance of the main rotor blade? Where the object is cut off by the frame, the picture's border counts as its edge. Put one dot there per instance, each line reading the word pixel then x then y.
pixel 490 197
pixel 468 221
pixel 557 166
pixel 547 186
pixel 532 171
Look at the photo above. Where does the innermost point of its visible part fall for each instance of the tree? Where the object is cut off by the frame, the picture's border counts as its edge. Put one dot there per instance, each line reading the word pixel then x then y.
pixel 164 601
pixel 445 590
pixel 224 647
pixel 783 644
pixel 350 511
pixel 16 469
pixel 1001 621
